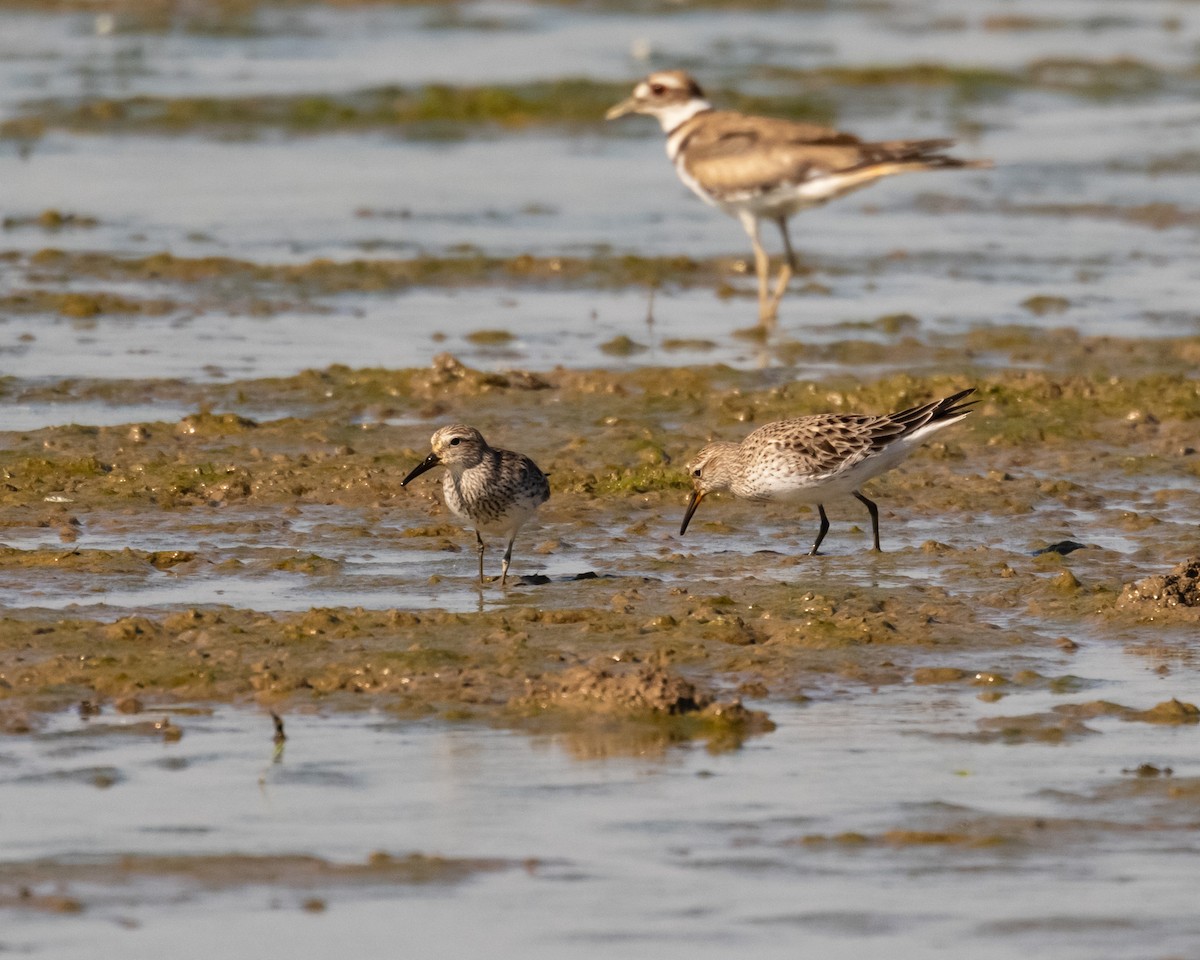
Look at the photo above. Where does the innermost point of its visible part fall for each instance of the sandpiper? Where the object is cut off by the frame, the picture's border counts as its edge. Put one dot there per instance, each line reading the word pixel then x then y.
pixel 809 459
pixel 765 168
pixel 494 490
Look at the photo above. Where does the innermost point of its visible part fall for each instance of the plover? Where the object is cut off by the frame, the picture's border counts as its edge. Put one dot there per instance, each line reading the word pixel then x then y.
pixel 494 490
pixel 810 459
pixel 764 168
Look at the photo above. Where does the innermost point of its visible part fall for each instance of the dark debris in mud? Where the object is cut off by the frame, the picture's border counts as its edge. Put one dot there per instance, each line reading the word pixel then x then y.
pixel 1063 547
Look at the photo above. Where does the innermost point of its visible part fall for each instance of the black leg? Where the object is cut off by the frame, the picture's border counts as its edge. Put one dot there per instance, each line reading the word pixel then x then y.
pixel 479 540
pixel 820 533
pixel 507 558
pixel 874 511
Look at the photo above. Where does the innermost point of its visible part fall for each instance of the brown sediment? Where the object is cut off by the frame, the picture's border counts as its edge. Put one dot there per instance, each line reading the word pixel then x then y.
pixel 1079 77
pixel 45 885
pixel 968 830
pixel 50 220
pixel 621 707
pixel 323 277
pixel 1156 216
pixel 434 111
pixel 82 305
pixel 651 654
pixel 444 110
pixel 649 651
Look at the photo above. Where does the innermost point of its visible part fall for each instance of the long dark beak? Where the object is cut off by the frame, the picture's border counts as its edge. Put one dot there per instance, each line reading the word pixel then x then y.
pixel 428 463
pixel 693 503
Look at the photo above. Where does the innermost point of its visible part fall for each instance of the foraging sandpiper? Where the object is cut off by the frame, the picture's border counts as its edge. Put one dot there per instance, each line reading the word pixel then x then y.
pixel 810 459
pixel 494 490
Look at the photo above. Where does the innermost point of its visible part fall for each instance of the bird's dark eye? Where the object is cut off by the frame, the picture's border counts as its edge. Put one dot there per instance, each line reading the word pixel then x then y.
pixel 456 441
pixel 657 89
pixel 696 472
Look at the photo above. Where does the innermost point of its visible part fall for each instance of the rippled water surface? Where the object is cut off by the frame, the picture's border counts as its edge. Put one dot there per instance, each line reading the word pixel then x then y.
pixel 799 838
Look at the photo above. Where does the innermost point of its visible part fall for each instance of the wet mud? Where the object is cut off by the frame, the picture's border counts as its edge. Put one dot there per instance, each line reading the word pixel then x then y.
pixel 439 111
pixel 71 888
pixel 639 637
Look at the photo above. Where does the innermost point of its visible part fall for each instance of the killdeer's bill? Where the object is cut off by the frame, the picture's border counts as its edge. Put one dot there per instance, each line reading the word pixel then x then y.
pixel 764 168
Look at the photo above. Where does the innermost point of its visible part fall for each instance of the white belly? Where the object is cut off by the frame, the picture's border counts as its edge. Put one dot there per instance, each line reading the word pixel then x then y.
pixel 774 482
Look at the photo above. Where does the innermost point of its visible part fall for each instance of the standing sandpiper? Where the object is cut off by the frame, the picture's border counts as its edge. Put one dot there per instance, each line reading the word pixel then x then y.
pixel 494 490
pixel 808 459
pixel 764 168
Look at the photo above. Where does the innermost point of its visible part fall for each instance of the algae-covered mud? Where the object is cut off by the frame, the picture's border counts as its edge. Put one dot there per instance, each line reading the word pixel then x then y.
pixel 1028 601
pixel 252 254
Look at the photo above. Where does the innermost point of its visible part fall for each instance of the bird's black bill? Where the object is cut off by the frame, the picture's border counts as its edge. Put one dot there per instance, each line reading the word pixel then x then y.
pixel 693 503
pixel 428 463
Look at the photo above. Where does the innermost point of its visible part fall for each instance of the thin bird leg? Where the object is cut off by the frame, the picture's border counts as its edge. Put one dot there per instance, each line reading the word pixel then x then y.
pixel 762 267
pixel 479 540
pixel 874 511
pixel 820 533
pixel 786 269
pixel 507 558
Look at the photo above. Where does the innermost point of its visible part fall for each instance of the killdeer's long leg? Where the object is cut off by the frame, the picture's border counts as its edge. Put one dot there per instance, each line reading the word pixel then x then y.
pixel 787 269
pixel 762 267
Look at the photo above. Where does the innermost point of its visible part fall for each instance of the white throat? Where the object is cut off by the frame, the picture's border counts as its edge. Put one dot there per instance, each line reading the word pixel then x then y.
pixel 672 117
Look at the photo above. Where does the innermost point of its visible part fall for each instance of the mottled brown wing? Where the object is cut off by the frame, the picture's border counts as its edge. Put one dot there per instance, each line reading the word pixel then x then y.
pixel 826 443
pixel 756 170
pixel 734 154
pixel 720 124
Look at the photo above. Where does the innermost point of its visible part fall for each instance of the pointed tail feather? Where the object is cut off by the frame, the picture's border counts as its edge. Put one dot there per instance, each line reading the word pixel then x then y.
pixel 940 412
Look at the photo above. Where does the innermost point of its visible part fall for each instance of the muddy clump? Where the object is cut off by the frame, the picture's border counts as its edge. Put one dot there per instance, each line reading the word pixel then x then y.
pixel 1067 721
pixel 600 709
pixel 1180 588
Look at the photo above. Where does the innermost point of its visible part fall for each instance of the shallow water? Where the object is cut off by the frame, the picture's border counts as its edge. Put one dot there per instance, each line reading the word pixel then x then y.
pixel 346 49
pixel 691 853
pixel 1057 215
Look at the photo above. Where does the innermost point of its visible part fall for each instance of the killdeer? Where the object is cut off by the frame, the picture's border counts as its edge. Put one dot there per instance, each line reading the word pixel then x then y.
pixel 764 168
